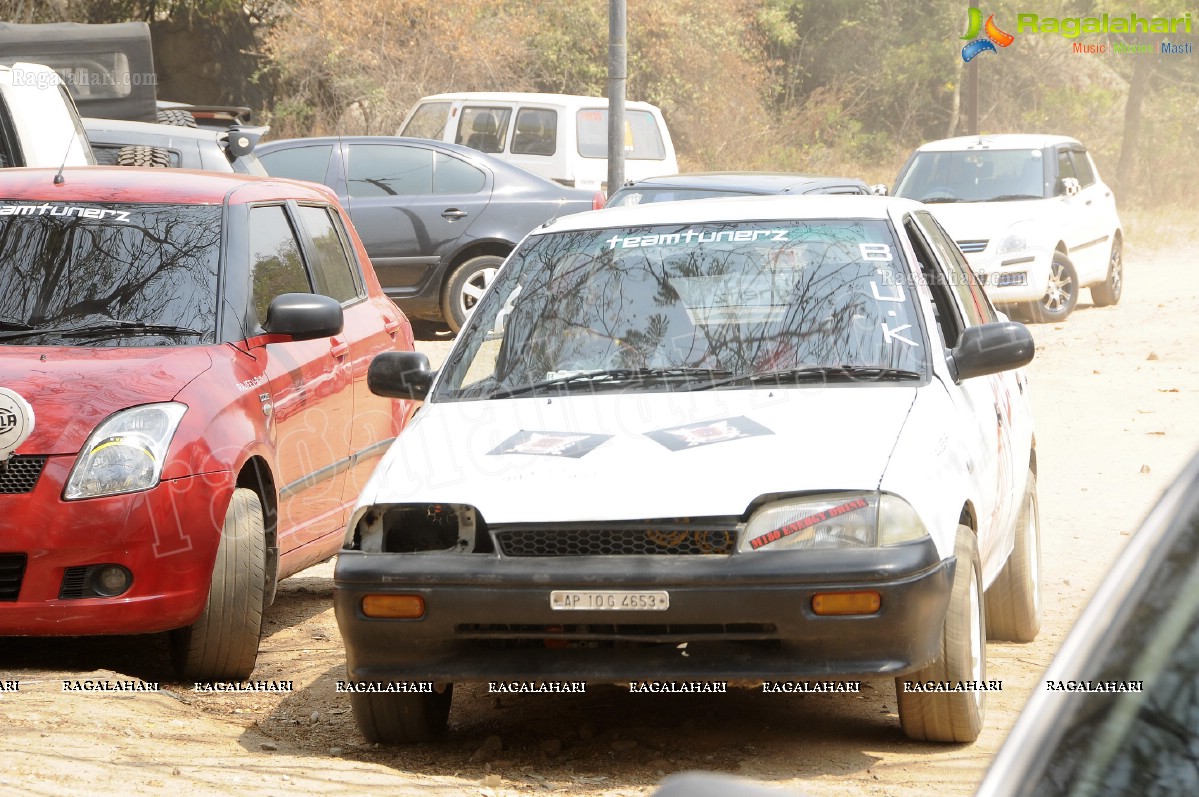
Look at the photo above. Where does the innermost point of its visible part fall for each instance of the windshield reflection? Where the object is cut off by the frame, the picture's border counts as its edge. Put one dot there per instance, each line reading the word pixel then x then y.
pixel 82 267
pixel 652 305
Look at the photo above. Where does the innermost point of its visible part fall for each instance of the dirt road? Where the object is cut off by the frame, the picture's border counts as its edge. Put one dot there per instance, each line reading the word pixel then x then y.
pixel 1116 394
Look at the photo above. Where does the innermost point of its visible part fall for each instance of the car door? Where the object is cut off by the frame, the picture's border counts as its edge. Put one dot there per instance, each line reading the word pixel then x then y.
pixel 310 388
pixel 1096 206
pixel 372 325
pixel 1078 224
pixel 985 404
pixel 411 204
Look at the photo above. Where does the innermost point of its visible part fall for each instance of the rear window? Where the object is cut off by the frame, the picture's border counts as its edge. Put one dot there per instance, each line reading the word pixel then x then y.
pixel 642 138
pixel 95 75
pixel 298 163
pixel 86 274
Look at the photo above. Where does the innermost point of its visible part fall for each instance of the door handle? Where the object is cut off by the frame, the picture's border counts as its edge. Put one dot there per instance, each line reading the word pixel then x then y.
pixel 338 348
pixel 453 214
pixel 390 325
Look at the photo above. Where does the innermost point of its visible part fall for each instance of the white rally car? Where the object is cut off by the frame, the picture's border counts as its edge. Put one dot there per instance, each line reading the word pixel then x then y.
pixel 757 440
pixel 1030 212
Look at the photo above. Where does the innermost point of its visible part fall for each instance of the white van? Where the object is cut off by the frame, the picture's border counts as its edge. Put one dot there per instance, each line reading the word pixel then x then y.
pixel 39 125
pixel 560 136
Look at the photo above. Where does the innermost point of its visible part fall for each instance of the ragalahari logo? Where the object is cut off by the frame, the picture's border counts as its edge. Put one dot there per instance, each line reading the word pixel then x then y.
pixel 981 44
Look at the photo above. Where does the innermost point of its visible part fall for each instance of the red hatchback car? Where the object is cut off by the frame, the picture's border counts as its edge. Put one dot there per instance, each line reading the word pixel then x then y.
pixel 184 416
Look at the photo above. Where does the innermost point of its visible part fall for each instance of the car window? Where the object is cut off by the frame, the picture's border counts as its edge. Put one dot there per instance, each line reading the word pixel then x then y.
pixel 70 265
pixel 741 298
pixel 1065 166
pixel 1082 167
pixel 945 310
pixel 428 121
pixel 483 128
pixel 970 295
pixel 973 176
pixel 274 258
pixel 455 176
pixel 536 132
pixel 298 163
pixel 389 170
pixel 642 138
pixel 332 269
pixel 1140 743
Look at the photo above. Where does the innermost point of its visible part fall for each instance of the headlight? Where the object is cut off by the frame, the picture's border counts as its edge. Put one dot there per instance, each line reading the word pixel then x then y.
pixel 1014 239
pixel 126 452
pixel 843 520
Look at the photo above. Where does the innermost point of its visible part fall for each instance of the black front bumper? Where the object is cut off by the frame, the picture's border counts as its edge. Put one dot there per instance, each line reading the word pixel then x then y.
pixel 742 617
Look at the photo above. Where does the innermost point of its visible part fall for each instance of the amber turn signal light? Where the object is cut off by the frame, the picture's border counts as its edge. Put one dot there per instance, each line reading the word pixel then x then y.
pixel 837 603
pixel 394 607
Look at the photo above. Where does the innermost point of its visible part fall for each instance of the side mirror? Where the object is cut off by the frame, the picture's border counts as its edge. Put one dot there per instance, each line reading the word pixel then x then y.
pixel 304 316
pixel 400 374
pixel 879 189
pixel 990 349
pixel 1068 186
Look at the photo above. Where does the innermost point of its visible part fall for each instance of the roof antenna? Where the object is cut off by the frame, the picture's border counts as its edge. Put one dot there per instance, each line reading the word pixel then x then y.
pixel 58 178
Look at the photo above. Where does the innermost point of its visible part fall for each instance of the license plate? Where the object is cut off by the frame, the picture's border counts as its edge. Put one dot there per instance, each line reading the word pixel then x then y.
pixel 609 600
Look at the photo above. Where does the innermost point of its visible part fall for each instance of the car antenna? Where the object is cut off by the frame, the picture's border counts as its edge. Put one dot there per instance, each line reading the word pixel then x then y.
pixel 58 178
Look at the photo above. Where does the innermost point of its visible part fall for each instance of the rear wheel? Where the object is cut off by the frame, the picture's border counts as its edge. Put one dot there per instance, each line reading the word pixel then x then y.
pixel 1014 599
pixel 1061 295
pixel 143 156
pixel 399 718
pixel 953 716
pixel 1108 292
pixel 465 286
pixel 222 645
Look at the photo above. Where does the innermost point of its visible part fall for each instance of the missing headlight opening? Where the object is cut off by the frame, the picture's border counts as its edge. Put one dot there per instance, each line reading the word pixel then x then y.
pixel 417 528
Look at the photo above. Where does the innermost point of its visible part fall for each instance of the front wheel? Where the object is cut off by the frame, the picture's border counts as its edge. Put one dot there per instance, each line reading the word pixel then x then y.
pixel 402 717
pixel 1108 292
pixel 953 716
pixel 222 645
pixel 1061 295
pixel 464 287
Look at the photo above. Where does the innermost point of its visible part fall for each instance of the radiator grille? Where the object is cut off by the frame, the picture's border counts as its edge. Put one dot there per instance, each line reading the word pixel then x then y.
pixel 20 474
pixel 605 541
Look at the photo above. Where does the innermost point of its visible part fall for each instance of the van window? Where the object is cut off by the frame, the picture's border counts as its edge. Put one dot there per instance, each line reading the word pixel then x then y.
pixel 642 139
pixel 536 132
pixel 428 121
pixel 484 129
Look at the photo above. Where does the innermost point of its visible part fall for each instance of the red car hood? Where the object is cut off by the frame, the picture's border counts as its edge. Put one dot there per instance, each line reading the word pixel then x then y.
pixel 73 389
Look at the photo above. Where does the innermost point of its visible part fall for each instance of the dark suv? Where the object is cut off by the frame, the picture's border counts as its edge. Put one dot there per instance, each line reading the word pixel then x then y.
pixel 184 417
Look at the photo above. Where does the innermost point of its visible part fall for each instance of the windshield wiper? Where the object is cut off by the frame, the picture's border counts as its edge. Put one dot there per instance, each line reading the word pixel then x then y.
pixel 609 376
pixel 116 326
pixel 819 373
pixel 1010 197
pixel 14 326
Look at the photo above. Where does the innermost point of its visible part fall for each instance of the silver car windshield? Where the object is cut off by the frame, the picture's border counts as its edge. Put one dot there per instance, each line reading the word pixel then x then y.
pixel 691 307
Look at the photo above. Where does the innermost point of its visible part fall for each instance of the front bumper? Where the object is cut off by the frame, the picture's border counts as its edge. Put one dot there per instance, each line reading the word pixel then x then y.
pixel 1013 277
pixel 166 536
pixel 746 616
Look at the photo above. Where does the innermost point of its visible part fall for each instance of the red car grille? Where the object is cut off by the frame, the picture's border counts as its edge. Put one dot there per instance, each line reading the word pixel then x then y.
pixel 20 474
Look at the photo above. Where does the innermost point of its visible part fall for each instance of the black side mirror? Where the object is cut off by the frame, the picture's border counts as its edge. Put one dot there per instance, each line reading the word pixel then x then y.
pixel 400 374
pixel 304 316
pixel 991 348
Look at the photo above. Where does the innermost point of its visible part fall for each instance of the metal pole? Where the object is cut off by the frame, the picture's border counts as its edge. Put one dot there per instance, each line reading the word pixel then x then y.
pixel 972 91
pixel 617 77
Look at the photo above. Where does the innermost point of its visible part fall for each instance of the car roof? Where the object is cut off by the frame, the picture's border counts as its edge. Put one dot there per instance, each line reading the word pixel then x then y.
pixel 751 208
pixel 125 184
pixel 529 98
pixel 765 182
pixel 999 141
pixel 94 124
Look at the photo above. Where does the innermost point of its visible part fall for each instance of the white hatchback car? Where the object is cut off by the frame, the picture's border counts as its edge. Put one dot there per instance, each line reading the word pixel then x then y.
pixel 1031 214
pixel 764 439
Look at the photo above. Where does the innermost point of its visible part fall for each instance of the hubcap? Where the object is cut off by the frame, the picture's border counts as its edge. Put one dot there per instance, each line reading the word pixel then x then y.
pixel 473 289
pixel 1116 278
pixel 1058 294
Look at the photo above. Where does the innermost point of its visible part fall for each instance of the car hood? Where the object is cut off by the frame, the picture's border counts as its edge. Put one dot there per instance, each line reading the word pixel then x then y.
pixel 970 221
pixel 72 389
pixel 607 457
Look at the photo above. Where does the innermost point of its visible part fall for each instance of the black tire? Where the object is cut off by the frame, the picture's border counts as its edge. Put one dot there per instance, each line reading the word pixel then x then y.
pixel 1108 292
pixel 152 157
pixel 463 288
pixel 402 718
pixel 1014 599
pixel 953 716
pixel 1059 301
pixel 222 645
pixel 176 116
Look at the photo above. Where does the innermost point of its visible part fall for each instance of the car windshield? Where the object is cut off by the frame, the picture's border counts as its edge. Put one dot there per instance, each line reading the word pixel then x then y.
pixel 983 175
pixel 688 307
pixel 84 274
